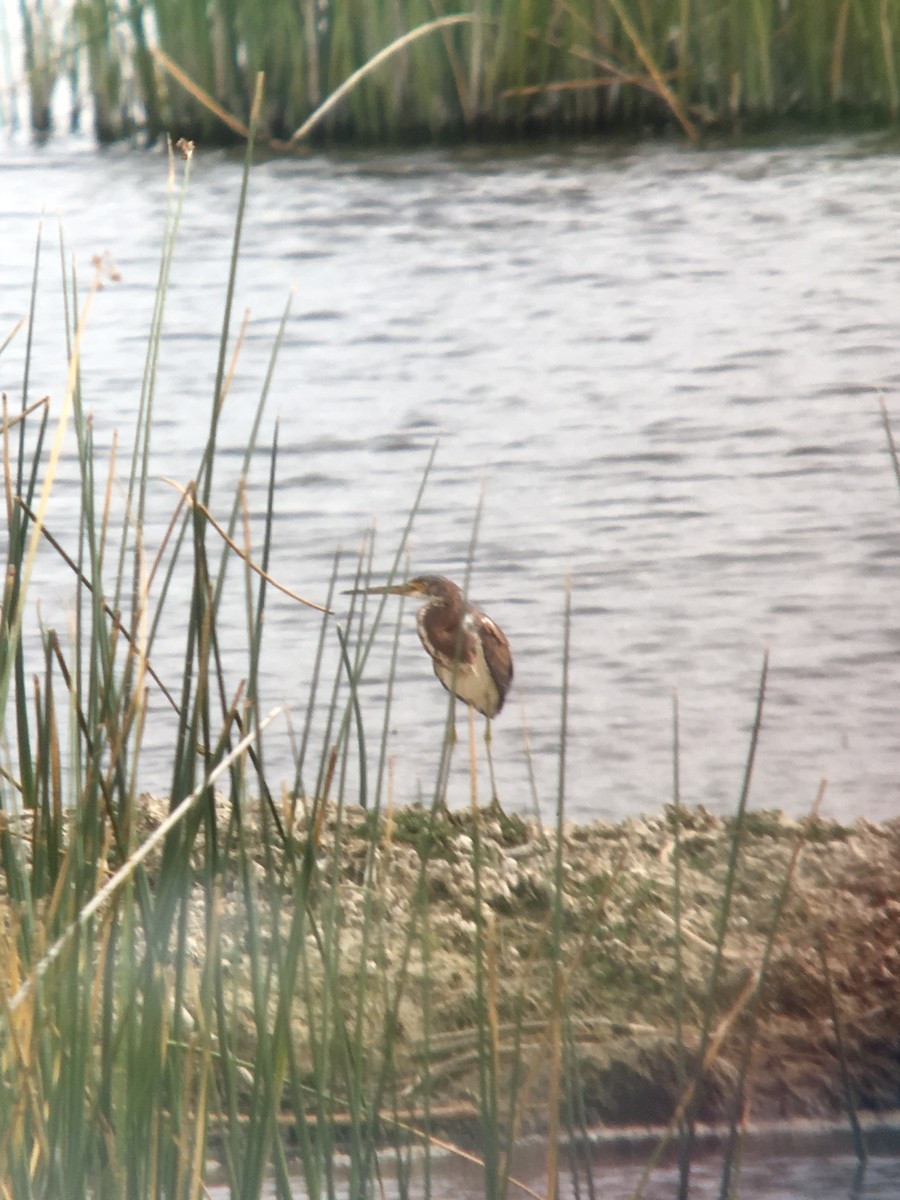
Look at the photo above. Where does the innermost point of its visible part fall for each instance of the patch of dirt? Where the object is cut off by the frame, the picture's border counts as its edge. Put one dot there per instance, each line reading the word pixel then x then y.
pixel 613 951
pixel 832 981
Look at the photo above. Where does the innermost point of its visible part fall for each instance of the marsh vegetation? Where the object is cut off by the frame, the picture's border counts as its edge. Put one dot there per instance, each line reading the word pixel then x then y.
pixel 497 68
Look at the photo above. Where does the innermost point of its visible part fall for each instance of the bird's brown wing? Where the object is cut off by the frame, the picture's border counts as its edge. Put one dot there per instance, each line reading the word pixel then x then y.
pixel 440 636
pixel 497 655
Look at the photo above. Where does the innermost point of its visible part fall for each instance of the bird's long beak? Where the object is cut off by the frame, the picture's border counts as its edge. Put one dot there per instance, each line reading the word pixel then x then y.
pixel 397 589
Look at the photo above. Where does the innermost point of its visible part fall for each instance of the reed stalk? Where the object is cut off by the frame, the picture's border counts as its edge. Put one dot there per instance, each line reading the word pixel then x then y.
pixel 736 1120
pixel 681 1071
pixel 724 914
pixel 557 1012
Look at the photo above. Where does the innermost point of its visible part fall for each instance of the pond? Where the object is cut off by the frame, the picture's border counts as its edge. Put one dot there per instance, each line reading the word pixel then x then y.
pixel 662 366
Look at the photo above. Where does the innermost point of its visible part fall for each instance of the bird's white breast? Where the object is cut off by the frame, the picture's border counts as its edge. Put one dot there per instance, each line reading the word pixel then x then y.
pixel 471 682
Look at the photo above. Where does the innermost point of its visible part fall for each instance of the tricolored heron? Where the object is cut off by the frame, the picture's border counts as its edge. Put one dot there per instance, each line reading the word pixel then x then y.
pixel 470 653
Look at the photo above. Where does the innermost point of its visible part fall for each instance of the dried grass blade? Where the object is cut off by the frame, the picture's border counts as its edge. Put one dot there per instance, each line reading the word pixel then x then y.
pixel 366 69
pixel 198 93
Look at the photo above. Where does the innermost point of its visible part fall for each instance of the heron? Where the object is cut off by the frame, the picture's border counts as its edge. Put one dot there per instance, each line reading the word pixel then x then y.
pixel 470 653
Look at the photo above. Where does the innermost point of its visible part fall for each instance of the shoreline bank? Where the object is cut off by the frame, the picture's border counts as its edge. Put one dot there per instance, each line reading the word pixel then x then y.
pixel 618 954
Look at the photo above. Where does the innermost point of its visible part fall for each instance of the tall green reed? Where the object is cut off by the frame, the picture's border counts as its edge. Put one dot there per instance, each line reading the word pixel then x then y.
pixel 724 915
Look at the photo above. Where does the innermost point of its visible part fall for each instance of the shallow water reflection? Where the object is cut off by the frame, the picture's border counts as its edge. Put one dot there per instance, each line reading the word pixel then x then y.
pixel 821 1177
pixel 666 366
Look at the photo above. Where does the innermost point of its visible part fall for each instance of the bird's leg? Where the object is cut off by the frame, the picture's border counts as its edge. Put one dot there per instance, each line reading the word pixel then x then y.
pixel 495 799
pixel 440 796
pixel 440 792
pixel 473 765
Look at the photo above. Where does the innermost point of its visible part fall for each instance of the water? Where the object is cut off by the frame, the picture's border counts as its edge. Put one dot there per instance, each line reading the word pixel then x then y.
pixel 828 1176
pixel 664 367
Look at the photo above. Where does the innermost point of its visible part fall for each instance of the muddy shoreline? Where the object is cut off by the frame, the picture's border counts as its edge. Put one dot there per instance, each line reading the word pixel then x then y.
pixel 400 898
pixel 832 983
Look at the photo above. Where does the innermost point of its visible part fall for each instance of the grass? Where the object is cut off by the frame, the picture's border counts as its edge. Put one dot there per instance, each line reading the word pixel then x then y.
pixel 264 978
pixel 423 70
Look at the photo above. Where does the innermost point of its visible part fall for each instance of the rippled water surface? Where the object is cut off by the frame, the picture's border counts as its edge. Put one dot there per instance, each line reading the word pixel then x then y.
pixel 664 367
